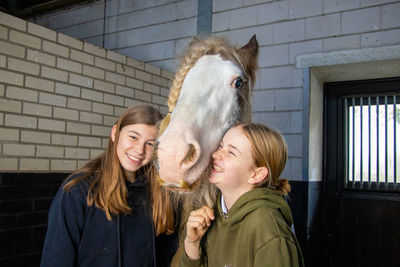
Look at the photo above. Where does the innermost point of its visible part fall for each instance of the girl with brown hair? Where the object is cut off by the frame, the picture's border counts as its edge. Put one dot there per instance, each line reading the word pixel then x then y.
pixel 251 225
pixel 108 213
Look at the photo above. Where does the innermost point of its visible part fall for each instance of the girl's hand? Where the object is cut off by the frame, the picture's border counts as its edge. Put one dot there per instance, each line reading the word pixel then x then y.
pixel 197 225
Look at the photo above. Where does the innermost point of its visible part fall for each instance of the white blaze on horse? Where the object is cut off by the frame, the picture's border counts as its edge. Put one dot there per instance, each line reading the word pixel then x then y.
pixel 210 92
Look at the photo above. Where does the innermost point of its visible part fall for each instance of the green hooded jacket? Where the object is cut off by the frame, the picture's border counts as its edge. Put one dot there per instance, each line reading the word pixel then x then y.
pixel 255 232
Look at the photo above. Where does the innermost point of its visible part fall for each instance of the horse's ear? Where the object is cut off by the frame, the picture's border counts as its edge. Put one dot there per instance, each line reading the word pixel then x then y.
pixel 251 47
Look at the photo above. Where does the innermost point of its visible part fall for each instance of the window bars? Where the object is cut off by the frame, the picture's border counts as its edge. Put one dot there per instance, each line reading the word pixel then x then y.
pixel 371 157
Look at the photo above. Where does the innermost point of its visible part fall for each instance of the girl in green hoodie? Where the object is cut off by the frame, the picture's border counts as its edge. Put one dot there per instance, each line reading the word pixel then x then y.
pixel 251 223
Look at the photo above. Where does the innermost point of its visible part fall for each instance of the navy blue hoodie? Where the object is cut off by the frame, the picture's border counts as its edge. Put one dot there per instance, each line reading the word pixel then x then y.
pixel 81 235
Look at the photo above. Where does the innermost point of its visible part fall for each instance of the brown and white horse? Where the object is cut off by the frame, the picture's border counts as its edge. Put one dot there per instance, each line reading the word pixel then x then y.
pixel 210 92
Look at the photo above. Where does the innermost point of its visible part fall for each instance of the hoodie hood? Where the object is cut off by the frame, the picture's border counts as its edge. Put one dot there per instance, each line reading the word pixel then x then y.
pixel 252 200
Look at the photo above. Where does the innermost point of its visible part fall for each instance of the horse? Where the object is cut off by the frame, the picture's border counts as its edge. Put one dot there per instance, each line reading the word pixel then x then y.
pixel 210 93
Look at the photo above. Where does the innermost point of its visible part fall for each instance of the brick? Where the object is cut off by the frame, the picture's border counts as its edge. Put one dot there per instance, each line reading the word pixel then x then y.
pixel 79 104
pixel 134 83
pixel 94 49
pixel 1 118
pixel 40 84
pixel 92 95
pixel 373 2
pixel 380 38
pixel 21 93
pixel 125 91
pixel 102 108
pixel 30 164
pixel 55 49
pixel 390 16
pixel 125 70
pixel 342 43
pixel 25 39
pixel 152 69
pixel 9 134
pixel 164 92
pixel 52 99
pixel 42 32
pixel 63 165
pixel 79 128
pixel 164 110
pixel 64 113
pixel 323 26
pixel 1 89
pixel 135 63
pixel 118 111
pixel 10 105
pixel 115 78
pixel 300 48
pixel 18 150
pixel 105 143
pixel 12 21
pixel 289 31
pixel 66 89
pixel 35 137
pixel 142 95
pixel 361 20
pixel 113 99
pixel 52 73
pixel 63 139
pixel 81 80
pixel 272 12
pixel 340 5
pixel 3 32
pixel 49 152
pixel 90 117
pixel 263 101
pixel 274 55
pixel 167 74
pixel 110 120
pixel 95 152
pixel 101 131
pixel 220 21
pixel 151 88
pixel 104 64
pixel 161 81
pixel 132 102
pixel 23 66
pixel 116 57
pixel 289 99
pixel 82 57
pixel 304 8
pixel 85 141
pixel 160 100
pixel 70 41
pixel 2 61
pixel 247 15
pixel 36 109
pixel 20 121
pixel 12 49
pixel 69 65
pixel 11 77
pixel 39 57
pixel 144 76
pixel 51 125
pixel 8 164
pixel 277 77
pixel 76 153
pixel 104 86
pixel 93 72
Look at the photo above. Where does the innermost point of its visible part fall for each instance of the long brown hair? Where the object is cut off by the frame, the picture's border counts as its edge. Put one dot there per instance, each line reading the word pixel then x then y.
pixel 268 150
pixel 106 178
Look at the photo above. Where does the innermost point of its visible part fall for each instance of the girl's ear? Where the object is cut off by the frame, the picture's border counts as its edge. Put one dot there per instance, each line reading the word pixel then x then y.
pixel 259 175
pixel 113 131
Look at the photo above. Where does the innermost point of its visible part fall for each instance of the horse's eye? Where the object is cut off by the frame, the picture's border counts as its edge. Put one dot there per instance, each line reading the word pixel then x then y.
pixel 238 83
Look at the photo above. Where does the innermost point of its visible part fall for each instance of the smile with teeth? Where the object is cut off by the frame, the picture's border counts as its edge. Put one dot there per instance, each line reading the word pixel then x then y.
pixel 217 168
pixel 133 158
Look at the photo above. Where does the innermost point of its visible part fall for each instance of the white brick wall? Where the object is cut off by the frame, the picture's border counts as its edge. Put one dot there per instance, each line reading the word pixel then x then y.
pixel 59 96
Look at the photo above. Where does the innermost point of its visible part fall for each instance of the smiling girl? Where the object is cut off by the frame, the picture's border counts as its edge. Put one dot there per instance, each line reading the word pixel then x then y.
pixel 251 224
pixel 103 214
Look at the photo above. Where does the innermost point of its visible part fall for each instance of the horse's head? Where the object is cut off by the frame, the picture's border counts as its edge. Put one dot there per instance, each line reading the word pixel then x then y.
pixel 210 92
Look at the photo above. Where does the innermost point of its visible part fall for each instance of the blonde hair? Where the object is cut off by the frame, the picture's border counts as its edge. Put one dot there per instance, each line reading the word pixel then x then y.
pixel 268 150
pixel 106 178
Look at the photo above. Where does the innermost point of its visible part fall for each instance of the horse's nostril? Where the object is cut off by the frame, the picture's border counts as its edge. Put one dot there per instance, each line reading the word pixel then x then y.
pixel 190 155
